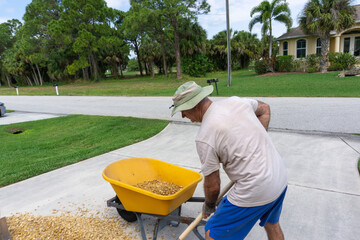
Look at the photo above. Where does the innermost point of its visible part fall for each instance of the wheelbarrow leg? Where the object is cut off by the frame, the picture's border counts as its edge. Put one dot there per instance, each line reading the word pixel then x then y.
pixel 196 232
pixel 162 222
pixel 143 234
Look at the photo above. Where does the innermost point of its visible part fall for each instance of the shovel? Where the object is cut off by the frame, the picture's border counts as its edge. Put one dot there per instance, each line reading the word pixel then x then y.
pixel 200 216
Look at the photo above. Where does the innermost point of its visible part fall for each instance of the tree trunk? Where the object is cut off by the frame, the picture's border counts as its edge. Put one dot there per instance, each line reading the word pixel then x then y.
pixel 163 53
pixel 138 56
pixel 85 73
pixel 40 77
pixel 36 80
pixel 28 80
pixel 8 80
pixel 94 64
pixel 324 53
pixel 177 49
pixel 121 72
pixel 115 71
pixel 146 68
pixel 90 66
pixel 151 66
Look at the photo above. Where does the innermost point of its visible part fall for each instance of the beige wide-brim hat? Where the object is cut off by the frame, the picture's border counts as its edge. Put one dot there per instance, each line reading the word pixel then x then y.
pixel 188 95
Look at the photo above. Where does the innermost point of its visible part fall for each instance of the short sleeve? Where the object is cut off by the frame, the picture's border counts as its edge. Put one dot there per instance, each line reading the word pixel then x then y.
pixel 208 158
pixel 252 102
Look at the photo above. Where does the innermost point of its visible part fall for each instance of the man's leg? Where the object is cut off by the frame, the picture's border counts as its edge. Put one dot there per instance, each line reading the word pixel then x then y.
pixel 274 231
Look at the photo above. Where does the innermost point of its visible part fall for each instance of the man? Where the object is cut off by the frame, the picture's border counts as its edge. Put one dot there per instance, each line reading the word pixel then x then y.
pixel 233 132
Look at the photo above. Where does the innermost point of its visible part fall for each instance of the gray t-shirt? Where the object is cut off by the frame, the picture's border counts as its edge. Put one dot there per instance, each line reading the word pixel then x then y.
pixel 231 134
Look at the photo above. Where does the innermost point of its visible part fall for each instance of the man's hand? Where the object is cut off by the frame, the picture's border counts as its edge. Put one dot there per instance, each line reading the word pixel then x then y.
pixel 208 209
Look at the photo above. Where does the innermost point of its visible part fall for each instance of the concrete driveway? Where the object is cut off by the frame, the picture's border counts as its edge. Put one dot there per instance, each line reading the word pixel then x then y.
pixel 20 116
pixel 323 199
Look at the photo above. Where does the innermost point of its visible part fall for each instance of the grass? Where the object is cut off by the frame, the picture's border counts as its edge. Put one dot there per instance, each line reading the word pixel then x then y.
pixel 244 83
pixel 53 143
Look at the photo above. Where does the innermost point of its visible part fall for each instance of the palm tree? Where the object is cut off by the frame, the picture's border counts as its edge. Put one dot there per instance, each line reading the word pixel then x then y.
pixel 245 47
pixel 217 50
pixel 323 16
pixel 277 10
pixel 193 37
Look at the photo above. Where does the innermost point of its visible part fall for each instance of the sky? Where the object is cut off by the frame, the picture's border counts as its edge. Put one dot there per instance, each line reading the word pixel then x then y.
pixel 214 22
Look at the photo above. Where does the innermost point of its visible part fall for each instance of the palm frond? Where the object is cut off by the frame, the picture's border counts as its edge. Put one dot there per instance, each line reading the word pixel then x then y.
pixel 284 18
pixel 257 9
pixel 253 21
pixel 281 9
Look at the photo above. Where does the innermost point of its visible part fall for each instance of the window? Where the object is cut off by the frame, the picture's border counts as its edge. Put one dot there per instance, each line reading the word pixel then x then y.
pixel 357 46
pixel 318 46
pixel 346 45
pixel 285 48
pixel 300 48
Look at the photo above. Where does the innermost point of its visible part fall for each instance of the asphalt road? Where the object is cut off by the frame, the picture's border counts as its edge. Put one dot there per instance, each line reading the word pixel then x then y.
pixel 334 115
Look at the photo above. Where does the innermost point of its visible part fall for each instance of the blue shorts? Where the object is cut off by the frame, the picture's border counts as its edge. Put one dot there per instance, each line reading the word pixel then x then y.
pixel 232 222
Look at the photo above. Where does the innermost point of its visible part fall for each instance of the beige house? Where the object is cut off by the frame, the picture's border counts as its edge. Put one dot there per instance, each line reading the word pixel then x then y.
pixel 299 44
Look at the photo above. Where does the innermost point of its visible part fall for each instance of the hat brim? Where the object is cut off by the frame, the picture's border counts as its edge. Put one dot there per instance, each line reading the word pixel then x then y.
pixel 205 91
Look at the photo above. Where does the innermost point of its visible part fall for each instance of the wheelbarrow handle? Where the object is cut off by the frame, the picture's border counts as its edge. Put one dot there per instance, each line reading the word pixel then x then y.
pixel 200 216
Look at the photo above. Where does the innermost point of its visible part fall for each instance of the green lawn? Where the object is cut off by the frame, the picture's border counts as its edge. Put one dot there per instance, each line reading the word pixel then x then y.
pixel 53 143
pixel 244 83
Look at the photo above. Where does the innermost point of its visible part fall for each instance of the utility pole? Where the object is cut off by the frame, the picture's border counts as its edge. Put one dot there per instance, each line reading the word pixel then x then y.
pixel 228 43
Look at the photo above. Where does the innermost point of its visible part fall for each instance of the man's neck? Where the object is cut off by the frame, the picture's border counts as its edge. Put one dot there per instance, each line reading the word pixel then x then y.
pixel 204 108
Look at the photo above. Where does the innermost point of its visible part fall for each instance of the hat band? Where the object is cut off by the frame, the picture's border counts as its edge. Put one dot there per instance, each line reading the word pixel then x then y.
pixel 188 97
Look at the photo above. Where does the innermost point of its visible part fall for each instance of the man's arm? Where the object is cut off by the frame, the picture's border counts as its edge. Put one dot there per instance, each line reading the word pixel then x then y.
pixel 212 190
pixel 263 114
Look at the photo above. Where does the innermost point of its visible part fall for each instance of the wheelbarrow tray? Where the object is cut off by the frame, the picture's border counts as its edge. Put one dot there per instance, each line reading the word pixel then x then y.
pixel 124 174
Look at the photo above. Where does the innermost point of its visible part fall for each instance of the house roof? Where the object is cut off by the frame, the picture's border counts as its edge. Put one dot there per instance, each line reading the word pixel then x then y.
pixel 297 32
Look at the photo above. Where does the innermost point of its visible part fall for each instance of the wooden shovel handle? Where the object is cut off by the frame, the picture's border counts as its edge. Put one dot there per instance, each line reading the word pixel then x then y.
pixel 200 216
pixel 4 232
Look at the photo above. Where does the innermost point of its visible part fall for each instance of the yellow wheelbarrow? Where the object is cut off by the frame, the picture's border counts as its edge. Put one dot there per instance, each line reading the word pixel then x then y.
pixel 131 202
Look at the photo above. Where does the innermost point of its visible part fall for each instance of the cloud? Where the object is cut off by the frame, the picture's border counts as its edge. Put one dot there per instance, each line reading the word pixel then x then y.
pixel 239 12
pixel 2 20
pixel 121 5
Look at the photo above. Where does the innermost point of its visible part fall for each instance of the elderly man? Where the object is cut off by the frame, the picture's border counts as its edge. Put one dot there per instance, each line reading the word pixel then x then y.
pixel 233 132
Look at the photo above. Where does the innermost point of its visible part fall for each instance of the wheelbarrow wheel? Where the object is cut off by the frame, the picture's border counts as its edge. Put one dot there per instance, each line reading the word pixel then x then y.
pixel 126 215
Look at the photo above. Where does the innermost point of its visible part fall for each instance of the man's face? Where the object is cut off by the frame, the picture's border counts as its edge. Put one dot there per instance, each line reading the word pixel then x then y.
pixel 191 114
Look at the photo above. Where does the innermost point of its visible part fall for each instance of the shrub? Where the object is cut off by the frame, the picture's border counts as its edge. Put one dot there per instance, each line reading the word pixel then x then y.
pixel 196 65
pixel 341 61
pixel 299 65
pixel 260 67
pixel 313 62
pixel 334 67
pixel 311 70
pixel 284 63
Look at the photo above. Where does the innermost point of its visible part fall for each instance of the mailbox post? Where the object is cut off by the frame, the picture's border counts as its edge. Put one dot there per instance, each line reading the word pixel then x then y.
pixel 56 88
pixel 17 90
